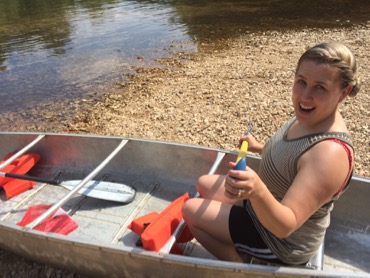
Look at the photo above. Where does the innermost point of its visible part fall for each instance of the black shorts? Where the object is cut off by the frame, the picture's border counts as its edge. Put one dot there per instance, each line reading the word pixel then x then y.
pixel 245 236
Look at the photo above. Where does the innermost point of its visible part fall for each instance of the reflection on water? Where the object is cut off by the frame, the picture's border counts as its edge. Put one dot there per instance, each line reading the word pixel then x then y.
pixel 60 48
pixel 52 50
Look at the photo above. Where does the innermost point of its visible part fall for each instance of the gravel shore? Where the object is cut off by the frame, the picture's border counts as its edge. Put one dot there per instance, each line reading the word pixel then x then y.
pixel 207 99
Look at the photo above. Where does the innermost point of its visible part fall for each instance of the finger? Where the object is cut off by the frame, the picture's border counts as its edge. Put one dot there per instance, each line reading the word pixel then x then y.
pixel 231 189
pixel 239 175
pixel 229 195
pixel 232 164
pixel 242 138
pixel 232 182
pixel 235 191
pixel 232 193
pixel 236 175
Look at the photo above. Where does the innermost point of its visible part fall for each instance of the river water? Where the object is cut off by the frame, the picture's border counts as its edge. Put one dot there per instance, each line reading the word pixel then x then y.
pixel 62 48
pixel 53 50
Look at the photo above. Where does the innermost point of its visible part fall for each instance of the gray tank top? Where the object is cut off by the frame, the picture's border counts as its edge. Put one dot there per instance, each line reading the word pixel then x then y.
pixel 277 170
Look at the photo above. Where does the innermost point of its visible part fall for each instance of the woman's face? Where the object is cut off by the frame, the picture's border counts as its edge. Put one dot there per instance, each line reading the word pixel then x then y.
pixel 317 91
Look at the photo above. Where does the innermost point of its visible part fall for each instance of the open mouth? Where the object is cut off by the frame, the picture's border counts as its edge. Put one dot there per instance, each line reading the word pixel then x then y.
pixel 305 108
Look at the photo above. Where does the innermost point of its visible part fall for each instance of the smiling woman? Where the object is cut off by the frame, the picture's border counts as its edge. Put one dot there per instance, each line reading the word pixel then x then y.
pixel 281 214
pixel 325 76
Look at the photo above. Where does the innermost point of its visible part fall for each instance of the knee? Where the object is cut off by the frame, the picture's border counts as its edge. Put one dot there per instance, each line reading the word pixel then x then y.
pixel 188 210
pixel 202 184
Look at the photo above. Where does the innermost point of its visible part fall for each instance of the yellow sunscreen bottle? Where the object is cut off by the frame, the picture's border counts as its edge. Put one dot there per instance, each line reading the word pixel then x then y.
pixel 241 161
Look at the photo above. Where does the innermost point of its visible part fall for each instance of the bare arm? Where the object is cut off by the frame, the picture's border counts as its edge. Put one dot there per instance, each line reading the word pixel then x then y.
pixel 318 179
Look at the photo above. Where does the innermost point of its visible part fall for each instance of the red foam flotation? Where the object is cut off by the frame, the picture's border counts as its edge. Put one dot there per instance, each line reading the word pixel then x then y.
pixel 60 222
pixel 157 233
pixel 20 166
pixel 7 169
pixel 141 223
pixel 16 187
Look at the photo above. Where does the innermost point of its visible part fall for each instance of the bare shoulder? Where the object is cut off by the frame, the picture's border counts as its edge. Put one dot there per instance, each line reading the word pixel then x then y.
pixel 327 151
pixel 322 170
pixel 328 160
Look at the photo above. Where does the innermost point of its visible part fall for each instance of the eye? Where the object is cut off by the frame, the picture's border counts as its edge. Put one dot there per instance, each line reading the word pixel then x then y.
pixel 320 87
pixel 301 81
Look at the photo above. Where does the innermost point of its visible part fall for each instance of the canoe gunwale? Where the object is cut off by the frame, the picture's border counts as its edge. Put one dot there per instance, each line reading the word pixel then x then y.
pixel 200 265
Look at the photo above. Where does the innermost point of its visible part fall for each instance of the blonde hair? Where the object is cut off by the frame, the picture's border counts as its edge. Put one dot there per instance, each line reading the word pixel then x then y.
pixel 339 56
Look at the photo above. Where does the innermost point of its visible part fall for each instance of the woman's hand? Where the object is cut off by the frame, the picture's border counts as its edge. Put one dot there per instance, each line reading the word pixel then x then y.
pixel 253 145
pixel 242 184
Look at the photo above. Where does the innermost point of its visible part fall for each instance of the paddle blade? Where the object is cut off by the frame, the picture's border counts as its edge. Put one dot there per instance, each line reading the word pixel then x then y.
pixel 104 190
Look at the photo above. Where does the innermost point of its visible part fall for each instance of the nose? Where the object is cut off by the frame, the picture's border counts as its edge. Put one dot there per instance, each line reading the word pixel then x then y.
pixel 306 93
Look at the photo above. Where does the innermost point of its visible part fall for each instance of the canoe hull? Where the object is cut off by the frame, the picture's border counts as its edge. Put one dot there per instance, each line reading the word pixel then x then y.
pixel 109 261
pixel 160 172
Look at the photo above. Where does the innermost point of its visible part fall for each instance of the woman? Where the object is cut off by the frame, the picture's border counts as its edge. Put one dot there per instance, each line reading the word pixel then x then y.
pixel 281 214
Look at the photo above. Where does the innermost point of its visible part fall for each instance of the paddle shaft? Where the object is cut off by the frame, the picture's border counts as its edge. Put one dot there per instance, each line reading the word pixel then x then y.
pixel 29 178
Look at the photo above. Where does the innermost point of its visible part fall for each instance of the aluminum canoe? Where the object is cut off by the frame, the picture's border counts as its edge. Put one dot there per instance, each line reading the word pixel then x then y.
pixel 160 172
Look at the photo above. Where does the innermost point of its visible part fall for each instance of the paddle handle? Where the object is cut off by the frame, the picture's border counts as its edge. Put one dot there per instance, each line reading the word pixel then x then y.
pixel 29 178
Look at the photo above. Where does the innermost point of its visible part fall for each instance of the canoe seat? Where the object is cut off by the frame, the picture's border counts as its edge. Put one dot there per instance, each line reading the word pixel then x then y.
pixel 316 262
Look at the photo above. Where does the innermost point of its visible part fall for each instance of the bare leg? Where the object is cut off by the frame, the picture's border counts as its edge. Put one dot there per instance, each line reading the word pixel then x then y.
pixel 209 222
pixel 208 217
pixel 212 187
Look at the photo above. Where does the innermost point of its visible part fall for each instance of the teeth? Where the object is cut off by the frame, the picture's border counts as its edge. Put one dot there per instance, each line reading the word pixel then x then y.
pixel 306 107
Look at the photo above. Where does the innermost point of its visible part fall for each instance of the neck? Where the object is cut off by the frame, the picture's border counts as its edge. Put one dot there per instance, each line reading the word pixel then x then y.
pixel 332 124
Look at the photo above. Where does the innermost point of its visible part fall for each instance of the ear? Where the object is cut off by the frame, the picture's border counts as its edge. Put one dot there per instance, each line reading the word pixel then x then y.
pixel 345 92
